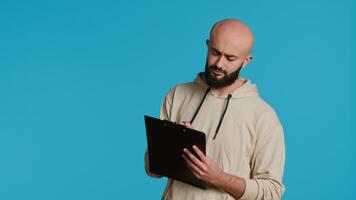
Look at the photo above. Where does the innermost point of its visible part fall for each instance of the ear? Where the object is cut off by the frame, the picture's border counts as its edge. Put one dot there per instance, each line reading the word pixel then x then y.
pixel 247 60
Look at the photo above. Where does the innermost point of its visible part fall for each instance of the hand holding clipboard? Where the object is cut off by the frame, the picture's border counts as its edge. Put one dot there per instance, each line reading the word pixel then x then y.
pixel 166 141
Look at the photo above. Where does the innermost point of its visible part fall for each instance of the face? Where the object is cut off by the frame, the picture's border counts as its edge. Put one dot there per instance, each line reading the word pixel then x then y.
pixel 214 82
pixel 222 68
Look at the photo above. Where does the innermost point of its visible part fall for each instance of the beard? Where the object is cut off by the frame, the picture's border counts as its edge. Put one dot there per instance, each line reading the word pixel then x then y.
pixel 226 80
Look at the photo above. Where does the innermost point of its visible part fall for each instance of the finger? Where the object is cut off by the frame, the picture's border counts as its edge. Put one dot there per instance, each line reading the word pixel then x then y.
pixel 183 123
pixel 188 124
pixel 190 164
pixel 195 160
pixel 200 153
pixel 193 168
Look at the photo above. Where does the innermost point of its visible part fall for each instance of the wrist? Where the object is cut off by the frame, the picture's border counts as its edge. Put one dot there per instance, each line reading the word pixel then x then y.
pixel 220 180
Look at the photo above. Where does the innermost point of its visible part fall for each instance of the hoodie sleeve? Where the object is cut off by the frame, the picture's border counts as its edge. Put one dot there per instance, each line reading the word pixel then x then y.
pixel 164 114
pixel 166 106
pixel 165 109
pixel 267 163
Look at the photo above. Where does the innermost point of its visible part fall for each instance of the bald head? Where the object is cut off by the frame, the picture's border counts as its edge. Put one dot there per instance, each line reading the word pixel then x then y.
pixel 233 35
pixel 229 49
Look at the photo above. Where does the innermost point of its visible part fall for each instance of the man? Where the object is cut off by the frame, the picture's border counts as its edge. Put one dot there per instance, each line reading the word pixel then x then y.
pixel 245 150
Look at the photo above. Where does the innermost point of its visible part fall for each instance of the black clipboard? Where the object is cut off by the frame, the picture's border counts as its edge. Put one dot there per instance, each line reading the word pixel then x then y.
pixel 165 142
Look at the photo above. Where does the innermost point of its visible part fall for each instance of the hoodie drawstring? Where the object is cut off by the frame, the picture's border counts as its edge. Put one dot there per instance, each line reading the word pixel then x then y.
pixel 221 118
pixel 201 103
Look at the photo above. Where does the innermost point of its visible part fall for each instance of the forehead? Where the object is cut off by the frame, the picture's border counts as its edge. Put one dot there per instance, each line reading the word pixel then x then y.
pixel 228 45
pixel 231 40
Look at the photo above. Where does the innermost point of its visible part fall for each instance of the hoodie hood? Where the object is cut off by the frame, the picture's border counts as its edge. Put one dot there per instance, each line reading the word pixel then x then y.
pixel 248 89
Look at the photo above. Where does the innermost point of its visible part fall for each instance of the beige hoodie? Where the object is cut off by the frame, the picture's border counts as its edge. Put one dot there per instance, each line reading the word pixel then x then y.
pixel 248 144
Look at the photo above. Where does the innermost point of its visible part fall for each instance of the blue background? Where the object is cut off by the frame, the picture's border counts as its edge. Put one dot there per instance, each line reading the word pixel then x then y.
pixel 76 78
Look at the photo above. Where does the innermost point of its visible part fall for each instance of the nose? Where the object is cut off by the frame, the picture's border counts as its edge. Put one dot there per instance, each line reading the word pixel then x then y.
pixel 220 62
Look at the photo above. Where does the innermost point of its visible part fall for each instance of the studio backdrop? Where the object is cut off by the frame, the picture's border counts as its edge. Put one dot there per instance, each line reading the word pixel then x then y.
pixel 76 78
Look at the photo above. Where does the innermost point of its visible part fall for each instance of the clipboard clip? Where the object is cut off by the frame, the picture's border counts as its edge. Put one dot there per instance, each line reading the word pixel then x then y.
pixel 166 122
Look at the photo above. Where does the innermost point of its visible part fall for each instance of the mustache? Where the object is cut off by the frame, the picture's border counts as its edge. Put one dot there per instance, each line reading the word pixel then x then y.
pixel 214 67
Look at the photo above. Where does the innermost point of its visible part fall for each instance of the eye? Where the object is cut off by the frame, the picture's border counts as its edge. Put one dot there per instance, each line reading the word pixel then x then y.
pixel 215 52
pixel 230 59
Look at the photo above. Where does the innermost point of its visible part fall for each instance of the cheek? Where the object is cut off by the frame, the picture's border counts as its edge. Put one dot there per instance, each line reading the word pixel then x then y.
pixel 212 59
pixel 231 68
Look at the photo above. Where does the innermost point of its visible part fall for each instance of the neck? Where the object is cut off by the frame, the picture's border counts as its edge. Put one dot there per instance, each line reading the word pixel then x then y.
pixel 228 89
